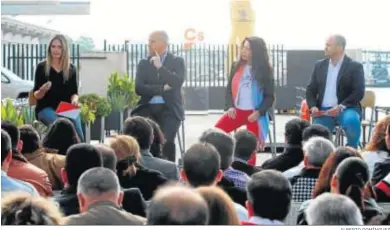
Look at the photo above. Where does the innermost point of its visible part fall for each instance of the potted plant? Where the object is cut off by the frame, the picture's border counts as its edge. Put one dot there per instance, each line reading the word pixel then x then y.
pixel 132 96
pixel 87 117
pixel 117 96
pixel 10 113
pixel 103 109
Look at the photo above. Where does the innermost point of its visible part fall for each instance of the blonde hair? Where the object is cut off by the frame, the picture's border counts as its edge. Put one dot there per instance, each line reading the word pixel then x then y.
pixel 65 56
pixel 126 147
pixel 24 209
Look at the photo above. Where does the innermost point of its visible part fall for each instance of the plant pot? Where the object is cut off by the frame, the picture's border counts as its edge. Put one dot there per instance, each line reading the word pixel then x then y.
pixel 97 129
pixel 114 121
pixel 87 133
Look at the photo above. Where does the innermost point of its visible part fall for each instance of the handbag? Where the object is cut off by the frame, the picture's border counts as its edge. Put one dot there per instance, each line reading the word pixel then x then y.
pixel 31 98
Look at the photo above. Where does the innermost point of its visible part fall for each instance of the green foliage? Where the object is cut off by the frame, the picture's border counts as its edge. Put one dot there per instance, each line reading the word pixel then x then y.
pixel 97 104
pixel 121 92
pixel 103 107
pixel 85 43
pixel 10 113
pixel 87 116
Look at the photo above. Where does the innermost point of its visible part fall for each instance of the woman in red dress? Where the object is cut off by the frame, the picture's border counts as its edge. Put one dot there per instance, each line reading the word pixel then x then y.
pixel 250 92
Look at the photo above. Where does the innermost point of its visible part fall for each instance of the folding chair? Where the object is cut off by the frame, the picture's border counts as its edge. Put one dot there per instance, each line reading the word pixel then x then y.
pixel 182 142
pixel 272 135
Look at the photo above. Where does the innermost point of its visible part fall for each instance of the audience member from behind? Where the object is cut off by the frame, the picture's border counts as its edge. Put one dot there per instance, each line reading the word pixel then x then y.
pixel 79 158
pixel 201 164
pixel 9 184
pixel 376 150
pixel 133 200
pixel 51 163
pixel 246 146
pixel 317 150
pixel 61 135
pixel 220 205
pixel 24 209
pixel 158 140
pixel 224 144
pixel 19 168
pixel 350 179
pixel 382 189
pixel 177 205
pixel 269 198
pixel 333 209
pixel 130 173
pixel 293 153
pixel 141 130
pixel 315 130
pixel 388 136
pixel 100 199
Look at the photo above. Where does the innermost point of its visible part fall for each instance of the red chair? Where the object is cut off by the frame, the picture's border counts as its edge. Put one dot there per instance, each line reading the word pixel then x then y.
pixel 305 112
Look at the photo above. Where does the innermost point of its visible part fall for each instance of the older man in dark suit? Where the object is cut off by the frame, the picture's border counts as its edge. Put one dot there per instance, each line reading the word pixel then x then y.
pixel 159 79
pixel 335 90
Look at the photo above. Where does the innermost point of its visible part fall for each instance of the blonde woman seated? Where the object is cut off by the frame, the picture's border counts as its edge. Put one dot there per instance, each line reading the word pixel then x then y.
pixel 24 209
pixel 130 173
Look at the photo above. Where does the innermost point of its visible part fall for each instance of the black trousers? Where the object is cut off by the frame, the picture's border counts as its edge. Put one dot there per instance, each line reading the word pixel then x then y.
pixel 168 123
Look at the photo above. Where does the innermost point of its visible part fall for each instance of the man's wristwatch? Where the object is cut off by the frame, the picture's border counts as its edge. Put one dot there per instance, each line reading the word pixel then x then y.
pixel 342 107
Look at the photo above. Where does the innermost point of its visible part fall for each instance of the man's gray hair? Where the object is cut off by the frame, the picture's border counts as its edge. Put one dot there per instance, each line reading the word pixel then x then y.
pixel 340 40
pixel 317 150
pixel 333 209
pixel 162 34
pixel 97 181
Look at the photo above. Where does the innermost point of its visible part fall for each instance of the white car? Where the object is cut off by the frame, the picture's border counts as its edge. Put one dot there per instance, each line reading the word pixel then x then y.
pixel 12 86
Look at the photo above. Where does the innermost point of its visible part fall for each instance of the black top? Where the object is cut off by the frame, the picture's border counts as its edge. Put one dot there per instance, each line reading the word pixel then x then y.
pixel 59 91
pixel 290 158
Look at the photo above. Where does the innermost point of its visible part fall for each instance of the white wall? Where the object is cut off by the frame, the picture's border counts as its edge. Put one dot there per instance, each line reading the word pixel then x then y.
pixel 95 69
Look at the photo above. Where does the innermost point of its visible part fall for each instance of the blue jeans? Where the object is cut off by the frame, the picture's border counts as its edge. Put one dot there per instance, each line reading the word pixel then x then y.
pixel 47 116
pixel 349 120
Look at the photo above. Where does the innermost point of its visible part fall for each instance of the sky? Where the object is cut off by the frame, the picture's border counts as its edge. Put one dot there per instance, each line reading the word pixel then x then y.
pixel 297 24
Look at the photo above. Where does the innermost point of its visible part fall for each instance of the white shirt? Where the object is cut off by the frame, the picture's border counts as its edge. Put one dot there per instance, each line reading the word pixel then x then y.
pixel 330 95
pixel 244 99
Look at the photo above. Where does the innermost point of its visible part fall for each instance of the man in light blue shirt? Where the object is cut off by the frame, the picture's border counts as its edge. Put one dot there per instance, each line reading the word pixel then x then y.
pixel 9 184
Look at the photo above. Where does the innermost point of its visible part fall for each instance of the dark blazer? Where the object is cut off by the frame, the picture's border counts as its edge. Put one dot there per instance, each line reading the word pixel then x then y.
pixel 246 168
pixel 167 168
pixel 105 213
pixel 350 83
pixel 290 158
pixel 268 91
pixel 68 201
pixel 133 201
pixel 148 84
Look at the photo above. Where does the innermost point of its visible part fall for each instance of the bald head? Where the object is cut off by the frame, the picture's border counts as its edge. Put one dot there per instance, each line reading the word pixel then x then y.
pixel 335 46
pixel 177 205
pixel 158 42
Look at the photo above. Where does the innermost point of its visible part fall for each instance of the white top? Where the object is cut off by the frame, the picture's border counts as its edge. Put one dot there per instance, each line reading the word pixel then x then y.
pixel 373 157
pixel 244 99
pixel 330 95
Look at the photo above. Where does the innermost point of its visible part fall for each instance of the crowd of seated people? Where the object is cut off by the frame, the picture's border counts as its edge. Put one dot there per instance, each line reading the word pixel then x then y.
pixel 58 180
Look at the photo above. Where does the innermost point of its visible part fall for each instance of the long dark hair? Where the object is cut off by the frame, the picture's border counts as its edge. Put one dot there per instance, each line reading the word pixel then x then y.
pixel 353 175
pixel 261 67
pixel 158 139
pixel 61 135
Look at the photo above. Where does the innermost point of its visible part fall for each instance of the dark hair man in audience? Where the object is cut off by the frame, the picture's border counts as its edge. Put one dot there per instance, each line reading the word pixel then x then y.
pixel 293 153
pixel 269 198
pixel 79 158
pixel 133 201
pixel 9 184
pixel 315 130
pixel 100 199
pixel 317 150
pixel 201 168
pixel 141 130
pixel 333 209
pixel 224 144
pixel 177 205
pixel 19 168
pixel 246 145
pixel 51 163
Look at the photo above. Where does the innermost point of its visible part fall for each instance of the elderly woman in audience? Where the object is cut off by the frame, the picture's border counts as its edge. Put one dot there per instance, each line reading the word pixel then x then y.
pixel 333 209
pixel 24 209
pixel 61 135
pixel 376 150
pixel 100 199
pixel 350 178
pixel 51 163
pixel 317 150
pixel 130 173
pixel 158 139
pixel 269 198
pixel 220 205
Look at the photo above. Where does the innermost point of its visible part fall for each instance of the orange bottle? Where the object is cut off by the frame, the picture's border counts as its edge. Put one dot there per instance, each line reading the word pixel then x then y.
pixel 305 112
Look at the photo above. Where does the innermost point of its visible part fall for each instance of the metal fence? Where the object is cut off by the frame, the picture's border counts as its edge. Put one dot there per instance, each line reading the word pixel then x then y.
pixel 207 65
pixel 23 58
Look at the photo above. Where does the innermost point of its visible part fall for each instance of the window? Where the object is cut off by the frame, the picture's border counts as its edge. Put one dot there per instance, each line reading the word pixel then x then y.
pixel 4 79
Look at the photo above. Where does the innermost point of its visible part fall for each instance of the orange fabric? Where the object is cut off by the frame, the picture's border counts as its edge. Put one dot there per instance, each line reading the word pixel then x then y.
pixel 236 81
pixel 29 173
pixel 305 112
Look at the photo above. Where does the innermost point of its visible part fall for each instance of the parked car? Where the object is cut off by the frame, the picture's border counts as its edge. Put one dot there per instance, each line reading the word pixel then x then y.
pixel 12 86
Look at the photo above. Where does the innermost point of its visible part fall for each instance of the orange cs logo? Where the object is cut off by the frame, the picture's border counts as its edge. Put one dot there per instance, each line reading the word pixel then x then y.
pixel 191 36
